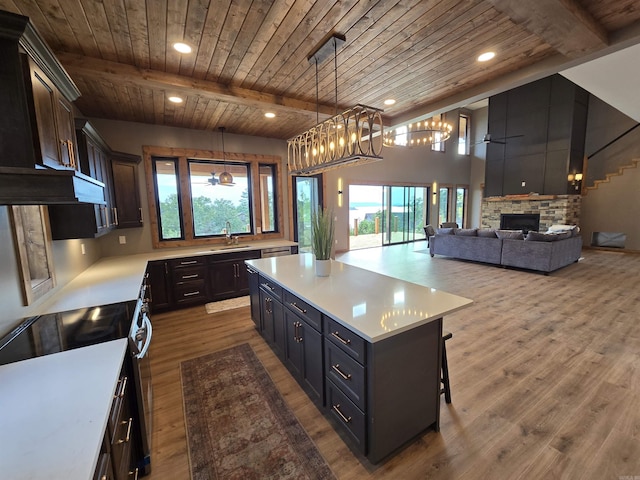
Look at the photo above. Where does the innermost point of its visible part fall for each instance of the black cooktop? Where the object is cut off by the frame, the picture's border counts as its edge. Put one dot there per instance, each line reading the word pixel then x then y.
pixel 56 332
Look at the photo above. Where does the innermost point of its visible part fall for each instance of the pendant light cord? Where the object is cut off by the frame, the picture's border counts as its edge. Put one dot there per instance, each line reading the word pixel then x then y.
pixel 335 69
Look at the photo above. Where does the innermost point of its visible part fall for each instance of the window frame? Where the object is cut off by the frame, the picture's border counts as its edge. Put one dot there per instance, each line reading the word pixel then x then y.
pixel 467 133
pixel 438 146
pixel 182 157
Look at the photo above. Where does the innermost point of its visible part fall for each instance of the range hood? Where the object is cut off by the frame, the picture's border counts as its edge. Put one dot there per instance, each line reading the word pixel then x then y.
pixel 31 186
pixel 24 179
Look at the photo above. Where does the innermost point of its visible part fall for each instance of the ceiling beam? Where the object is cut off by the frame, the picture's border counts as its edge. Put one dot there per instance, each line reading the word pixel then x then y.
pixel 121 74
pixel 563 24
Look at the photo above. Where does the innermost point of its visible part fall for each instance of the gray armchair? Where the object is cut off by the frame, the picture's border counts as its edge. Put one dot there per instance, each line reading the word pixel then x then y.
pixel 429 231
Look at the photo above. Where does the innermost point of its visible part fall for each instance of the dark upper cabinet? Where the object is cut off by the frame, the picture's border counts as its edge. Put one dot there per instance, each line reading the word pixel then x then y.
pixel 126 191
pixel 87 220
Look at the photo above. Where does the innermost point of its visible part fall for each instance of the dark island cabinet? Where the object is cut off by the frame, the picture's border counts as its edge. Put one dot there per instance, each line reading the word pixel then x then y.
pixel 254 292
pixel 272 315
pixel 303 355
pixel 228 277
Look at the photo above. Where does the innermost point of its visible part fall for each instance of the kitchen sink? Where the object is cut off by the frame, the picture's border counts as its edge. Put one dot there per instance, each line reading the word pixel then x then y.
pixel 230 247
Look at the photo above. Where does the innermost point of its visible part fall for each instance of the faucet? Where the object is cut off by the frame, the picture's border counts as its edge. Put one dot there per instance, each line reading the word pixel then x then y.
pixel 228 232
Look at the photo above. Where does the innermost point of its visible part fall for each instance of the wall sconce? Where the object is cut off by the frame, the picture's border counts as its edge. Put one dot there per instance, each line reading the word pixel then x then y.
pixel 340 192
pixel 434 197
pixel 575 179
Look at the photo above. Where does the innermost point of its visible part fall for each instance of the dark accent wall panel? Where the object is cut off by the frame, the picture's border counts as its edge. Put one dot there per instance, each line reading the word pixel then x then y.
pixel 546 121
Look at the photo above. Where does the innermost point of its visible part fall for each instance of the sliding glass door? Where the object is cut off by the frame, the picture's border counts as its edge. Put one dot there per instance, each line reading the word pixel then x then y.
pixel 307 195
pixel 406 214
pixel 386 214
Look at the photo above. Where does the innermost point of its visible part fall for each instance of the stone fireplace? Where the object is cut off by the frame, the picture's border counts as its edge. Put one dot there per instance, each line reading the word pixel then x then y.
pixel 553 209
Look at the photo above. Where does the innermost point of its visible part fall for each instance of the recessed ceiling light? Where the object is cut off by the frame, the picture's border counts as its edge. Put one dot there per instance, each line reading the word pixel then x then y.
pixel 175 99
pixel 182 47
pixel 389 101
pixel 270 115
pixel 486 56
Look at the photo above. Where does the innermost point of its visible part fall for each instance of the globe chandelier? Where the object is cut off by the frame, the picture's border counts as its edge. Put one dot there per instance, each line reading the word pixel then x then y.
pixel 352 137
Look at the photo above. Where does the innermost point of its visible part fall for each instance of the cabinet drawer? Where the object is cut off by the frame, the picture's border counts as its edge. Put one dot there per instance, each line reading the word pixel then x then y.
pixel 312 316
pixel 344 338
pixel 347 416
pixel 271 287
pixel 103 469
pixel 189 274
pixel 188 262
pixel 121 440
pixel 190 292
pixel 117 406
pixel 345 373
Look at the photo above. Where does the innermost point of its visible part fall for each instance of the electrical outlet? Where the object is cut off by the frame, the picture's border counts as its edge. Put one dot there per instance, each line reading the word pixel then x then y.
pixel 524 184
pixel 258 230
pixel 82 249
pixel 122 239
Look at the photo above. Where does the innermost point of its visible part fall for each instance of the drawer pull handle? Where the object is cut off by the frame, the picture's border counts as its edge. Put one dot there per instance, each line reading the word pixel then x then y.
pixel 266 285
pixel 134 473
pixel 187 277
pixel 344 419
pixel 342 340
pixel 190 262
pixel 123 386
pixel 336 368
pixel 127 438
pixel 301 310
pixel 191 294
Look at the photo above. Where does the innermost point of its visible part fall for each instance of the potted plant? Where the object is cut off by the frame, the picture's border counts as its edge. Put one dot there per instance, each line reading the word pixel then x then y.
pixel 322 234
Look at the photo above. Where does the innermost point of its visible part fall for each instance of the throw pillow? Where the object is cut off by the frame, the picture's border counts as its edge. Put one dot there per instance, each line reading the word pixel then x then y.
pixel 540 237
pixel 512 234
pixel 465 232
pixel 445 231
pixel 486 233
pixel 560 228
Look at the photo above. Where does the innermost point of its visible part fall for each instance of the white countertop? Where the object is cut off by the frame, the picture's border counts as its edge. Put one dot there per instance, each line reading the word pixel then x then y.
pixel 54 411
pixel 372 305
pixel 118 279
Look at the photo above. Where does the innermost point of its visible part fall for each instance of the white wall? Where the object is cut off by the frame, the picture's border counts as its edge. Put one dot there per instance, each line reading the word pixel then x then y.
pixel 401 166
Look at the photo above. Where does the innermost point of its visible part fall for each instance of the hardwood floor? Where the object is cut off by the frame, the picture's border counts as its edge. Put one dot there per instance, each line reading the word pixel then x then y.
pixel 545 373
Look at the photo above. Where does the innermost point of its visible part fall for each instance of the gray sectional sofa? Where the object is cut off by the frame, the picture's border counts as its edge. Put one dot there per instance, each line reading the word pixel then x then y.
pixel 536 251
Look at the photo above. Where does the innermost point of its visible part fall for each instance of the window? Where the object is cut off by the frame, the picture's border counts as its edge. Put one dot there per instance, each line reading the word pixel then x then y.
pixel 167 199
pixel 191 207
pixel 463 134
pixel 437 146
pixel 32 238
pixel 461 205
pixel 219 209
pixel 268 197
pixel 443 205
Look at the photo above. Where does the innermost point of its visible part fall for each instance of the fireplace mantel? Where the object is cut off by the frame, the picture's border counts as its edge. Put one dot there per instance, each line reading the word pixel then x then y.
pixel 528 197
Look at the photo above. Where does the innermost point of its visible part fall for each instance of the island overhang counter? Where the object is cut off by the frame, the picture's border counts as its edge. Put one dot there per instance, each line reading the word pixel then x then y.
pixel 365 347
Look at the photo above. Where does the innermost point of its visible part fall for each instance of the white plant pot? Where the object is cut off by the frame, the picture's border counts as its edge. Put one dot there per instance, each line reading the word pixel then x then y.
pixel 323 268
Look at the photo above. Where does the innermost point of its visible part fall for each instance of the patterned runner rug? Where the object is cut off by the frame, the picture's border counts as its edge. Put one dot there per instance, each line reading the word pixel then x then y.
pixel 230 304
pixel 238 424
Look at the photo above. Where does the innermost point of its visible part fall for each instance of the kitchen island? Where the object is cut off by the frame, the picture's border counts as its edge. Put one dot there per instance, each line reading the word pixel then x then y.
pixel 365 347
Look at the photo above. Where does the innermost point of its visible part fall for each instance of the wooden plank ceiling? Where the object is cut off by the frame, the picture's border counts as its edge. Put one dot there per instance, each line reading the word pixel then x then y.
pixel 250 57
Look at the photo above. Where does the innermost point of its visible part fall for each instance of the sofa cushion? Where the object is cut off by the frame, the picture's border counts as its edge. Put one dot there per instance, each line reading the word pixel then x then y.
pixel 512 234
pixel 465 232
pixel 445 231
pixel 486 233
pixel 540 237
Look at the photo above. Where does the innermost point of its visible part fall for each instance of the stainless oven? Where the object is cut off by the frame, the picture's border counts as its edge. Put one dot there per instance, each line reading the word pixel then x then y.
pixel 139 341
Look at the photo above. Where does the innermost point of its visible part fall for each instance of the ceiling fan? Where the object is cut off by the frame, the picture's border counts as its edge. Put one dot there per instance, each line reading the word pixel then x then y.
pixel 501 140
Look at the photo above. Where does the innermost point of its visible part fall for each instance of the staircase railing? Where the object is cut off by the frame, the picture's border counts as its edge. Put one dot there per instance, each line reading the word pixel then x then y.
pixel 607 160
